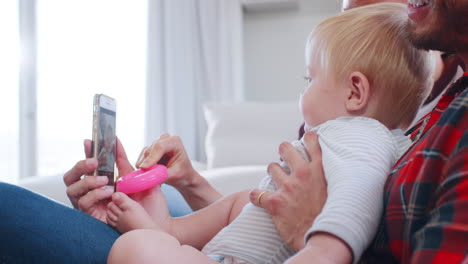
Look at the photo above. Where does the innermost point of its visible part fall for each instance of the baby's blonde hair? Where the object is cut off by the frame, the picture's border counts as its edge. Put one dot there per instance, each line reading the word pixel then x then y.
pixel 372 40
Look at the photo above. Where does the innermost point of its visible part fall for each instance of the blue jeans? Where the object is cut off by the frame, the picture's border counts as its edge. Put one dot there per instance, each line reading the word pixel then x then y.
pixel 34 229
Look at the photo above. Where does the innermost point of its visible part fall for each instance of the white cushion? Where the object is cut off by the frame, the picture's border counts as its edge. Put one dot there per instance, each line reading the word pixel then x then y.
pixel 248 133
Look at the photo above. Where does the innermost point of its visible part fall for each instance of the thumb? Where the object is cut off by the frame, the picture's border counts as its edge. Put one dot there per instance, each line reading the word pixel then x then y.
pixel 121 160
pixel 312 145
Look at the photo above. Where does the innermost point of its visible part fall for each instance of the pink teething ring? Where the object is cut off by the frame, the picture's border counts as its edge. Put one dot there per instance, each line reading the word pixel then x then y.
pixel 142 179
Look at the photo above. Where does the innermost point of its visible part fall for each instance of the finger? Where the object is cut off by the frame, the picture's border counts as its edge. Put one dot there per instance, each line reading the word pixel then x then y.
pixel 312 146
pixel 87 148
pixel 85 185
pixel 256 197
pixel 157 151
pixel 123 164
pixel 93 197
pixel 146 150
pixel 271 202
pixel 142 156
pixel 290 155
pixel 265 200
pixel 81 168
pixel 277 173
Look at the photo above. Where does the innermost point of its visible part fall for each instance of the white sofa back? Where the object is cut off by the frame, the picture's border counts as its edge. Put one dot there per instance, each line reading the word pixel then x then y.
pixel 241 140
pixel 248 133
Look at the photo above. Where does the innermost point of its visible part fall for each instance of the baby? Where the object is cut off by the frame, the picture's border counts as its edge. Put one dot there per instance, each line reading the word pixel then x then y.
pixel 365 85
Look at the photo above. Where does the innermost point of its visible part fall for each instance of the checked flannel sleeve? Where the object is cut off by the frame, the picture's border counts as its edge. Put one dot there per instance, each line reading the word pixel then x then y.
pixel 425 216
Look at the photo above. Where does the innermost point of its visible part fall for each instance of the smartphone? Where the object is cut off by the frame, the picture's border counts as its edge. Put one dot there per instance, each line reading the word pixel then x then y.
pixel 104 139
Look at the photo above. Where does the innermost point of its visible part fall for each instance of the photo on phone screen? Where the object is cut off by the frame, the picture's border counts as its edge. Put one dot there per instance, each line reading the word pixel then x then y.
pixel 104 139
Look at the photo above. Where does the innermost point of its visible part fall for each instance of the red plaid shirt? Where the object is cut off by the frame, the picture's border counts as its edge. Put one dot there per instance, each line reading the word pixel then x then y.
pixel 425 217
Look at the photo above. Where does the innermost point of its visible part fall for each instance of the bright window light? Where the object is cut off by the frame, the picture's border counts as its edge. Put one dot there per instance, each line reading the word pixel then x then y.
pixel 9 108
pixel 87 47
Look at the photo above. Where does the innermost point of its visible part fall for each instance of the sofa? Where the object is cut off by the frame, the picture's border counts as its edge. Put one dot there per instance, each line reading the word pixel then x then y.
pixel 241 140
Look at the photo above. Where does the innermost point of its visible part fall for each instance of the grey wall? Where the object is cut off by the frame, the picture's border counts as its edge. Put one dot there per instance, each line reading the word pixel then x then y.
pixel 274 43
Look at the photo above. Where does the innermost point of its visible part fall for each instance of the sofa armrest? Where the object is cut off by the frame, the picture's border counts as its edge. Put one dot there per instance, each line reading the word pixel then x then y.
pixel 54 188
pixel 226 180
pixel 49 186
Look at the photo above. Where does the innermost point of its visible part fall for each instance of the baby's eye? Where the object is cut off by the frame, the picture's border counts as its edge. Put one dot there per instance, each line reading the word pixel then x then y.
pixel 307 79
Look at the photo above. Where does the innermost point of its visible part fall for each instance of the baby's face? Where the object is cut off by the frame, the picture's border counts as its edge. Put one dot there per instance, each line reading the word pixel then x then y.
pixel 323 99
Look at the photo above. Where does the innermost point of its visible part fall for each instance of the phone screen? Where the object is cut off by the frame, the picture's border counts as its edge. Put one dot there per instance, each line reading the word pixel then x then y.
pixel 106 146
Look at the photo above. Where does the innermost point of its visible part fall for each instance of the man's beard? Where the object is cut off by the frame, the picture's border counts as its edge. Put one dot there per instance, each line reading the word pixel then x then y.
pixel 434 40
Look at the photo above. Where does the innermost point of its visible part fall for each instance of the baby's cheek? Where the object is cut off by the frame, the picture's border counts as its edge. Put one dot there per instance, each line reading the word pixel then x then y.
pixel 303 106
pixel 308 115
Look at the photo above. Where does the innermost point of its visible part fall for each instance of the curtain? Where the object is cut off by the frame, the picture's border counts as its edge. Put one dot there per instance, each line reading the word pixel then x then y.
pixel 194 56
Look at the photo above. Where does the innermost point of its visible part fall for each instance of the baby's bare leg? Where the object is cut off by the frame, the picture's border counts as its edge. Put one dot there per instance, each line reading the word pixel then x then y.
pixel 152 246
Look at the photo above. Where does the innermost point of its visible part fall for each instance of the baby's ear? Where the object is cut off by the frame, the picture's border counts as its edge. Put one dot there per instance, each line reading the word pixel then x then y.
pixel 358 92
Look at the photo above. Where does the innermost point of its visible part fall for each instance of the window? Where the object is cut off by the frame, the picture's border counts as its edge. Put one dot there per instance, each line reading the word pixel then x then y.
pixel 9 107
pixel 87 47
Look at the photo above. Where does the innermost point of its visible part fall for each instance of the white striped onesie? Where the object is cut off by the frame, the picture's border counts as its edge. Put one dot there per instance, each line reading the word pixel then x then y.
pixel 357 155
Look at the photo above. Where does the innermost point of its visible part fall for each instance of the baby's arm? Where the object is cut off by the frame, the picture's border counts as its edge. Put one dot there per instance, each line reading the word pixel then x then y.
pixel 150 212
pixel 201 226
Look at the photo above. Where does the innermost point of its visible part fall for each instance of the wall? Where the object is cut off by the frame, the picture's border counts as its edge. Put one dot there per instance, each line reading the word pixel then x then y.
pixel 274 44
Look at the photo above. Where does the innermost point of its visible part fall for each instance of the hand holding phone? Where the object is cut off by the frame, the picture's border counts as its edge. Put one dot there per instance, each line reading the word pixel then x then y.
pixel 104 139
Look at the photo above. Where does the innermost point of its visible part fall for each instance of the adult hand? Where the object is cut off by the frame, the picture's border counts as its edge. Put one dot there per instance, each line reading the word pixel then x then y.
pixel 169 150
pixel 85 193
pixel 300 196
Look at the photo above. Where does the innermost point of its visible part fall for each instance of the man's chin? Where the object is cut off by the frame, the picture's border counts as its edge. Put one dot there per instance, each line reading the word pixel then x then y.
pixel 427 40
pixel 423 43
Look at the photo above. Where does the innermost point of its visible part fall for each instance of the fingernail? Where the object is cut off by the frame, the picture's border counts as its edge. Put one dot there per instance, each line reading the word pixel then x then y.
pixel 90 162
pixel 108 189
pixel 137 164
pixel 102 179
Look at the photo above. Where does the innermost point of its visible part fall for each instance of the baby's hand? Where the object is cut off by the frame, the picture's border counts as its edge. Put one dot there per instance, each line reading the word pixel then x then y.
pixel 125 214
